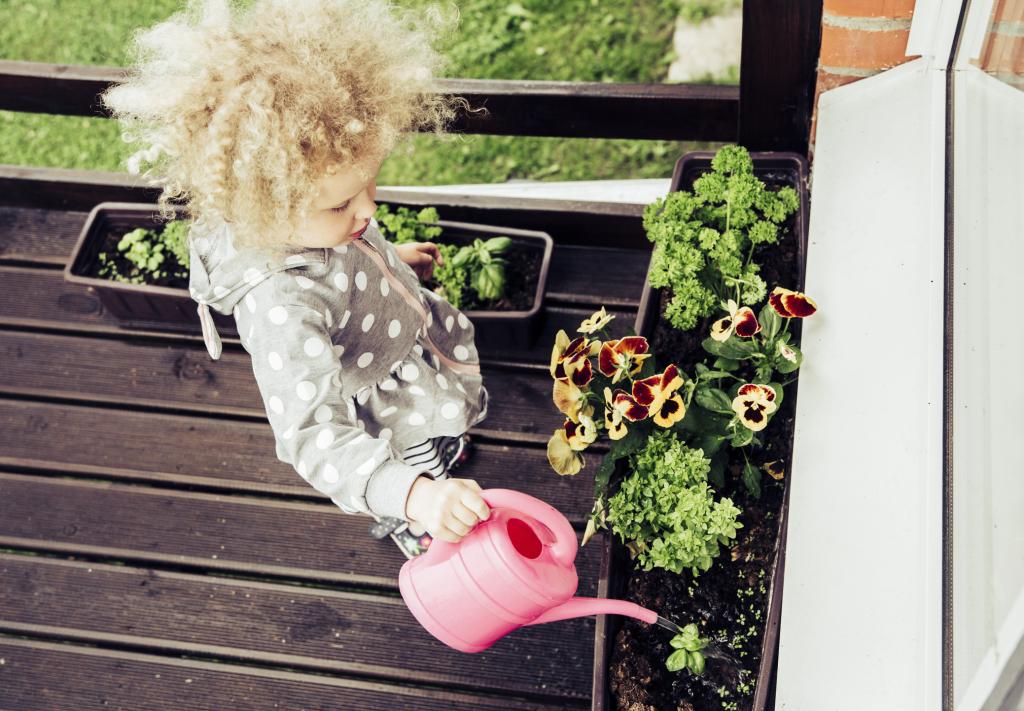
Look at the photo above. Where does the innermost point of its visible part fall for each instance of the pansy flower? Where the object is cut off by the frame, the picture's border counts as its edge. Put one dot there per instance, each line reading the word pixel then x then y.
pixel 582 434
pixel 753 403
pixel 570 360
pixel 597 321
pixel 787 352
pixel 742 321
pixel 659 393
pixel 625 355
pixel 618 407
pixel 566 443
pixel 791 304
pixel 570 400
pixel 775 469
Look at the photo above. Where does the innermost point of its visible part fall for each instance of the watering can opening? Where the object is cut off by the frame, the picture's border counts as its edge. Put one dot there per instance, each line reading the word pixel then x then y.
pixel 523 538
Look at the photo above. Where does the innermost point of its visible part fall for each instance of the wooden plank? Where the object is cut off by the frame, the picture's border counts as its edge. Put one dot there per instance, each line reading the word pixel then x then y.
pixel 778 72
pixel 33 236
pixel 696 112
pixel 94 677
pixel 226 456
pixel 597 276
pixel 183 377
pixel 579 222
pixel 267 623
pixel 41 298
pixel 39 237
pixel 245 535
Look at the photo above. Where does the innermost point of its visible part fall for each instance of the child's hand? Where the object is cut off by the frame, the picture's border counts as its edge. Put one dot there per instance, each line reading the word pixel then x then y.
pixel 420 256
pixel 448 509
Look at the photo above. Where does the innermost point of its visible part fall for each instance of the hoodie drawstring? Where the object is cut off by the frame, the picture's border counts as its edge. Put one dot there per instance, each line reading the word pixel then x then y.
pixel 210 335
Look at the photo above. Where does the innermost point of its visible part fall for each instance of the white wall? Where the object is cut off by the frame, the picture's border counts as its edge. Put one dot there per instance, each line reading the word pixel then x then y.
pixel 861 617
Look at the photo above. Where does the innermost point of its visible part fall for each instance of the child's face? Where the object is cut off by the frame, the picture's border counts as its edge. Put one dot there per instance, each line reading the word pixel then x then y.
pixel 342 208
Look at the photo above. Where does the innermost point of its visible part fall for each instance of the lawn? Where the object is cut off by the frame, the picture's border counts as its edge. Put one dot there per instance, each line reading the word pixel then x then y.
pixel 571 40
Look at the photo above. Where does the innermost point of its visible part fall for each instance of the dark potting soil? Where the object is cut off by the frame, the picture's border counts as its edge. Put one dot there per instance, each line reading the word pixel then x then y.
pixel 522 271
pixel 729 601
pixel 175 273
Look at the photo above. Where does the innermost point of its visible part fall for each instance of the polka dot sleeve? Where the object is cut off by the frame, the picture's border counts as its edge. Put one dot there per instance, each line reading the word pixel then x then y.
pixel 314 423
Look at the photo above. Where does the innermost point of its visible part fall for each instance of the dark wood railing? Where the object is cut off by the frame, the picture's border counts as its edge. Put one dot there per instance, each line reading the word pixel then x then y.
pixel 770 110
pixel 519 108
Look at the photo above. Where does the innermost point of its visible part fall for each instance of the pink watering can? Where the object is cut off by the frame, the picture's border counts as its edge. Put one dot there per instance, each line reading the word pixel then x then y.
pixel 515 568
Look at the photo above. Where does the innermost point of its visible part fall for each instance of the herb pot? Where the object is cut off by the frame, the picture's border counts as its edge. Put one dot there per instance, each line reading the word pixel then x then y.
pixel 135 305
pixel 169 308
pixel 776 170
pixel 498 330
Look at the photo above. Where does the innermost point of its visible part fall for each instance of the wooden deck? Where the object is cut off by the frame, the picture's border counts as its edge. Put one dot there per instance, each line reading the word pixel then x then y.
pixel 154 552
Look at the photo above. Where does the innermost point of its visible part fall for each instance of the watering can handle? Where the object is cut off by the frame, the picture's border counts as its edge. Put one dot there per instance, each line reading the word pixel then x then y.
pixel 564 548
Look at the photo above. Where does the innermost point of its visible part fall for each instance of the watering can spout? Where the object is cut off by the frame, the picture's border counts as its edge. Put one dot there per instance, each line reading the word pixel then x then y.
pixel 585 606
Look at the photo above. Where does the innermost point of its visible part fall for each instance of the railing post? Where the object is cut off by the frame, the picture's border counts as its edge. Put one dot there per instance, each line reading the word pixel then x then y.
pixel 778 66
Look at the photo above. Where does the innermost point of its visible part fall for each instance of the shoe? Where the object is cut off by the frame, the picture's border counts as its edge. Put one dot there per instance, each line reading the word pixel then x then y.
pixel 411 544
pixel 412 539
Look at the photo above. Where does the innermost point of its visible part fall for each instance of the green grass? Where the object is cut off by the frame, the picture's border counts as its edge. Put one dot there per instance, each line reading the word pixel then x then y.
pixel 571 40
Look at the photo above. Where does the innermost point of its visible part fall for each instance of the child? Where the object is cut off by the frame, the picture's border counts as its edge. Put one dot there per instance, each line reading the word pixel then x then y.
pixel 273 125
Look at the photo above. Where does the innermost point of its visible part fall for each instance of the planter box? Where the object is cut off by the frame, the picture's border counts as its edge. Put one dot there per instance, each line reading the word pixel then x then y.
pixel 146 306
pixel 506 329
pixel 616 566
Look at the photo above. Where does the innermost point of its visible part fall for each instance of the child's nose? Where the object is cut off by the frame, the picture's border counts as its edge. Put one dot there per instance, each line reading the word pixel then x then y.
pixel 367 208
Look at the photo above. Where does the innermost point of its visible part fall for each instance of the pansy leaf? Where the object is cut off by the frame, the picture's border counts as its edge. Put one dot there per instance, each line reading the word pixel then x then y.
pixel 732 348
pixel 604 472
pixel 697 662
pixel 716 474
pixel 742 437
pixel 700 421
pixel 726 363
pixel 770 321
pixel 709 443
pixel 633 441
pixel 714 400
pixel 787 366
pixel 700 368
pixel 752 479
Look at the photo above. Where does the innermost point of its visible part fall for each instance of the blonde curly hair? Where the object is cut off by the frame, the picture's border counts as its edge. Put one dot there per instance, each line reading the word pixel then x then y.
pixel 240 114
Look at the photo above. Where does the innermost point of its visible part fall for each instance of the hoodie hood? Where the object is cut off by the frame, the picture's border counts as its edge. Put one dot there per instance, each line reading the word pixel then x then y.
pixel 220 275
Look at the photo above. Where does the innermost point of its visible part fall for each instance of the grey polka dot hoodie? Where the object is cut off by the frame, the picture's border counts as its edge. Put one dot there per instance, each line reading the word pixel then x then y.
pixel 354 358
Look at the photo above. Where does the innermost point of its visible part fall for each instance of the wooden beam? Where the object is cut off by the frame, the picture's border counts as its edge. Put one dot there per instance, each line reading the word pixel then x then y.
pixel 778 67
pixel 517 108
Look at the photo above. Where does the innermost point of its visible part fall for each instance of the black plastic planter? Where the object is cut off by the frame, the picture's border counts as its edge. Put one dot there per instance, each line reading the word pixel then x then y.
pixel 147 306
pixel 791 168
pixel 496 330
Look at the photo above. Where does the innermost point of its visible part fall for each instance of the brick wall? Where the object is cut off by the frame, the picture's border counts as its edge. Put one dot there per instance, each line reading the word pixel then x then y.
pixel 860 38
pixel 1002 52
